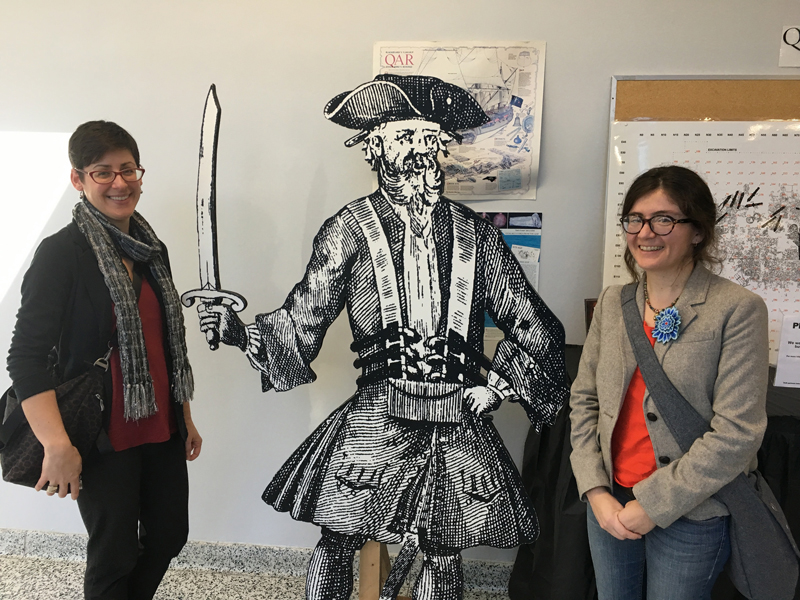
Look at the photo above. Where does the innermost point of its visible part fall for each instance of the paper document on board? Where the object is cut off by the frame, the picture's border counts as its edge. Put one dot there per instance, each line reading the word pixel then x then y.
pixel 787 373
pixel 529 261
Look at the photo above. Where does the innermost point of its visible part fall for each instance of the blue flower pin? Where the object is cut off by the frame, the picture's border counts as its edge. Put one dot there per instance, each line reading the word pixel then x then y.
pixel 667 322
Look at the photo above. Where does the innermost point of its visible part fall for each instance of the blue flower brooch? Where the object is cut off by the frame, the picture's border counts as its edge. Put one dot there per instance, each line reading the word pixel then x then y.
pixel 667 320
pixel 667 324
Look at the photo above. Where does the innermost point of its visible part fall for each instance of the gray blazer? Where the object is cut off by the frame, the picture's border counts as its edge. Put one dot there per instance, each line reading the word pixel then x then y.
pixel 719 363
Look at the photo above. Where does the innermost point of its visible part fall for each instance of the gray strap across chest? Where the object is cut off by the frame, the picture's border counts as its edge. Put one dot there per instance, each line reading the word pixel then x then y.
pixel 462 276
pixel 683 421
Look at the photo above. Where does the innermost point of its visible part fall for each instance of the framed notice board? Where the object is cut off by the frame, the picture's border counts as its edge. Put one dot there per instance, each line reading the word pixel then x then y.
pixel 743 137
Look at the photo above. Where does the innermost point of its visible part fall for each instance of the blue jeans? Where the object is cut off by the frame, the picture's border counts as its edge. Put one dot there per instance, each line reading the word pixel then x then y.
pixel 681 562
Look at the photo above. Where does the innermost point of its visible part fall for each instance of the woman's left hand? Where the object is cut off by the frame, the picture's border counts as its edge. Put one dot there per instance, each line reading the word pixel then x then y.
pixel 633 517
pixel 193 440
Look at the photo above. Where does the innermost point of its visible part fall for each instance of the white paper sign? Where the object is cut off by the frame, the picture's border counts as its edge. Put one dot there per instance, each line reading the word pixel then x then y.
pixel 790 47
pixel 787 373
pixel 529 261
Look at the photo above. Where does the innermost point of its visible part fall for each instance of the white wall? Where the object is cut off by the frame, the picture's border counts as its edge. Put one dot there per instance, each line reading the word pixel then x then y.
pixel 283 169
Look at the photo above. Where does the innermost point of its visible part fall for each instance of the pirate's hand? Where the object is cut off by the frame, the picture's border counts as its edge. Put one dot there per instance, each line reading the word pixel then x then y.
pixel 481 399
pixel 222 321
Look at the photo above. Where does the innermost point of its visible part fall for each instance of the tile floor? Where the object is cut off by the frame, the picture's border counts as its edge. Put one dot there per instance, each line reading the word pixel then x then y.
pixel 42 565
pixel 33 578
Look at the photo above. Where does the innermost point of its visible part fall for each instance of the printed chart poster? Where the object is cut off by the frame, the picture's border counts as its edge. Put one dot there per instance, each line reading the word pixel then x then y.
pixel 753 170
pixel 523 234
pixel 501 158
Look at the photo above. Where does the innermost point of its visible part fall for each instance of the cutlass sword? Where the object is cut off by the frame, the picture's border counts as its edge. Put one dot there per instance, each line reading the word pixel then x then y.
pixel 210 289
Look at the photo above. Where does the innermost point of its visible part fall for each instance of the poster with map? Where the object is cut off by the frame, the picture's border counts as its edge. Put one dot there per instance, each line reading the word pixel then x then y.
pixel 753 170
pixel 499 159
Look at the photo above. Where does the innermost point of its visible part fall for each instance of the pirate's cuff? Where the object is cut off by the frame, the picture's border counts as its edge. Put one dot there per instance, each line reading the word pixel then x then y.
pixel 254 349
pixel 500 386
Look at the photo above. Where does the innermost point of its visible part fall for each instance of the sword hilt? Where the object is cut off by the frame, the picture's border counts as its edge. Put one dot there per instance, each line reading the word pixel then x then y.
pixel 236 301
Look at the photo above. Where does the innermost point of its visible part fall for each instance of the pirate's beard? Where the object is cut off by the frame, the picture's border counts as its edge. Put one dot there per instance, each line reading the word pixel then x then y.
pixel 416 184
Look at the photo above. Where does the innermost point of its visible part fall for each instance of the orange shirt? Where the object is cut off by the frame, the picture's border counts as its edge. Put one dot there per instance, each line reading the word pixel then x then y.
pixel 631 448
pixel 158 427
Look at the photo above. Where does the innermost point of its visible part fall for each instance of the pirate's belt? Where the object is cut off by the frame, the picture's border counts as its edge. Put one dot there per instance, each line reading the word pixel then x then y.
pixel 432 391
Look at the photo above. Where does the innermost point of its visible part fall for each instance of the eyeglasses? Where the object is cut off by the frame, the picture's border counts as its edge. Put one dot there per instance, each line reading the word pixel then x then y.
pixel 106 176
pixel 659 225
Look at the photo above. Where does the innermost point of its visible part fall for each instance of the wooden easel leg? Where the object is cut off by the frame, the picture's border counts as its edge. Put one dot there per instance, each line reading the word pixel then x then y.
pixel 370 573
pixel 373 570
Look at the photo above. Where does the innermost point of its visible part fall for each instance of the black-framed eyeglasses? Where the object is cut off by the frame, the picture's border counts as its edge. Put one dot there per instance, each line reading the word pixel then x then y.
pixel 659 224
pixel 104 176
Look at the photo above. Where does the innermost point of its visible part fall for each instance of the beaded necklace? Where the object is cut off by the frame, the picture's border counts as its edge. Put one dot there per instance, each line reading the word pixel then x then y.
pixel 667 320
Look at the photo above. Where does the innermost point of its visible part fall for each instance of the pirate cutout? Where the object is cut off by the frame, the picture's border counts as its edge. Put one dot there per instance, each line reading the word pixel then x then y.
pixel 412 457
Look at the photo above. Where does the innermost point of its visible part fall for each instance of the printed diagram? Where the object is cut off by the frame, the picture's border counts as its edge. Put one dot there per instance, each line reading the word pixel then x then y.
pixel 753 170
pixel 501 157
pixel 760 239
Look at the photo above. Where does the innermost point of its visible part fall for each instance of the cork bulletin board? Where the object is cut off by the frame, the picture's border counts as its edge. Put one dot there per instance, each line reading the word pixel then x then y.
pixel 706 99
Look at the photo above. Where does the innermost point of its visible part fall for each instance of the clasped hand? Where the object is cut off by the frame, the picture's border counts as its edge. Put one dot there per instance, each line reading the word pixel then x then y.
pixel 629 522
pixel 61 471
pixel 224 321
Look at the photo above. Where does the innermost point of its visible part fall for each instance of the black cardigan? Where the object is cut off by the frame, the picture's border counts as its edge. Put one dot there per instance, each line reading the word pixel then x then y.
pixel 67 306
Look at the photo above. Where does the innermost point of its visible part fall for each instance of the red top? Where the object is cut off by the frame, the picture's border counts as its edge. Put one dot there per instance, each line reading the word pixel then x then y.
pixel 631 448
pixel 160 426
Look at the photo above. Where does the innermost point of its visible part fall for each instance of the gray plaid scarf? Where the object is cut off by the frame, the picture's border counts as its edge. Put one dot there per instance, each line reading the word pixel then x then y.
pixel 141 245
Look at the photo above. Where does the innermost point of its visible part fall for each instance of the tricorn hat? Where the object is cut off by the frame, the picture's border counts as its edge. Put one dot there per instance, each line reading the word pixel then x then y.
pixel 397 98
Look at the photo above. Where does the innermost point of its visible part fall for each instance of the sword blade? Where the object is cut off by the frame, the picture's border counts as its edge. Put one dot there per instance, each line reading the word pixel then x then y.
pixel 210 291
pixel 206 193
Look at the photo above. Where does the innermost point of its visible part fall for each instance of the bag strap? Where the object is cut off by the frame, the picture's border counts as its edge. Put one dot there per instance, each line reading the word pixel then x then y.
pixel 683 421
pixel 686 425
pixel 14 420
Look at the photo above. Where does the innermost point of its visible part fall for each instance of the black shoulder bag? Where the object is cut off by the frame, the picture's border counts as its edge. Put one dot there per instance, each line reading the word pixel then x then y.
pixel 80 402
pixel 764 557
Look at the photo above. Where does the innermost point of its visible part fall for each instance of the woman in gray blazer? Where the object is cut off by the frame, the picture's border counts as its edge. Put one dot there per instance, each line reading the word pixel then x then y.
pixel 654 528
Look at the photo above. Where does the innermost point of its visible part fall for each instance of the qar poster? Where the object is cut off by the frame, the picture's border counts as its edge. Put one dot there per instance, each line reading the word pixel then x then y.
pixel 499 159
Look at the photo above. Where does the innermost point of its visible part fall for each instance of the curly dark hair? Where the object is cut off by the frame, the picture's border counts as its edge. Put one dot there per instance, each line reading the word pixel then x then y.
pixel 93 139
pixel 691 195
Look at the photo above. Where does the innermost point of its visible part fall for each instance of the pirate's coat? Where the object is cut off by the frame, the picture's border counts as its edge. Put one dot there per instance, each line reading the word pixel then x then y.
pixel 369 470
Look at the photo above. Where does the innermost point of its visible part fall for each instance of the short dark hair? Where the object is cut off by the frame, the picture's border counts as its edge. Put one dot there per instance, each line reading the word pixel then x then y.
pixel 694 199
pixel 93 139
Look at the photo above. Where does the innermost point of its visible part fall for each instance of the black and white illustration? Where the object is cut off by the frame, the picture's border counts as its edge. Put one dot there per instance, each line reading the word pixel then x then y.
pixel 412 456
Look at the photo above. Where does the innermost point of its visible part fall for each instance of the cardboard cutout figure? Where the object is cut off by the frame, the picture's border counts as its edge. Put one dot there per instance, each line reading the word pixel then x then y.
pixel 413 455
